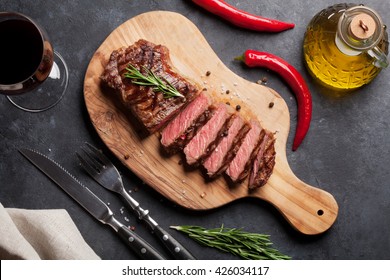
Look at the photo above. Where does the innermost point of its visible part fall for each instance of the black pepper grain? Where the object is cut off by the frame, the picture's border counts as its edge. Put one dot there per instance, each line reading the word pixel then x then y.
pixel 208 73
pixel 271 104
pixel 238 108
pixel 224 133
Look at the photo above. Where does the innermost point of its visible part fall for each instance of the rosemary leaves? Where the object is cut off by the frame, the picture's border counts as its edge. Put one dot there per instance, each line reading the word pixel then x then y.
pixel 250 246
pixel 151 79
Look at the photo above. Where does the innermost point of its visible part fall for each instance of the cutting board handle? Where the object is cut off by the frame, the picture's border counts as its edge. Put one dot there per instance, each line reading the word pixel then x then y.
pixel 308 209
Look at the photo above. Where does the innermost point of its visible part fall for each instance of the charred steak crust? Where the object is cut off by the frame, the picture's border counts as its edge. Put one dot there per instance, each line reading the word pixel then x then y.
pixel 151 107
pixel 155 112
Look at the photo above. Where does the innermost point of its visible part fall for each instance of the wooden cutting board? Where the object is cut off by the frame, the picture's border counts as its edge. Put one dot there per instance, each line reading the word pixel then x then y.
pixel 308 209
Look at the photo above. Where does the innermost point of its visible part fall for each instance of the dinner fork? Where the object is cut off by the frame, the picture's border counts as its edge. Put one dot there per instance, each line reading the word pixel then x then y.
pixel 100 168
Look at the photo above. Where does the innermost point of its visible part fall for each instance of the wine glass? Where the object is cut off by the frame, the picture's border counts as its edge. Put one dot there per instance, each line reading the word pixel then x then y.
pixel 28 64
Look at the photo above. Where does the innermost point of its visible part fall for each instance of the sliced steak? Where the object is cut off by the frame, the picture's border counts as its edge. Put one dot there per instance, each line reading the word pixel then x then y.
pixel 206 139
pixel 263 163
pixel 151 107
pixel 183 127
pixel 220 158
pixel 239 167
pixel 208 134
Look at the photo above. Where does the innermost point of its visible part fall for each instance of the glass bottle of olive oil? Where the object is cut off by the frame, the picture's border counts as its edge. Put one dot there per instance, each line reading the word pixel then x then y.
pixel 345 46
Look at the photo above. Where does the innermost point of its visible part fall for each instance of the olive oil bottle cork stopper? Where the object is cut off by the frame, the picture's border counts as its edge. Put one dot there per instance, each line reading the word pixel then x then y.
pixel 362 26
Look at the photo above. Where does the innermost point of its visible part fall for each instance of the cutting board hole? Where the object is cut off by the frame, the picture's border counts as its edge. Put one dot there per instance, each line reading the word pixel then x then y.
pixel 320 212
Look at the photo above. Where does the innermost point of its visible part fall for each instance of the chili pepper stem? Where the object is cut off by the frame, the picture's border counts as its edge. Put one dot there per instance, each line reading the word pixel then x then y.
pixel 240 58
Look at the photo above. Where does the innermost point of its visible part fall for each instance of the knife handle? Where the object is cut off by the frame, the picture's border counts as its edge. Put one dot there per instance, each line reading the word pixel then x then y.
pixel 142 248
pixel 177 250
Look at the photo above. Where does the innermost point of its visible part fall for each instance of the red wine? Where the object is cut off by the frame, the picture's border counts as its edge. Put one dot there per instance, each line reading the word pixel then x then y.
pixel 26 61
pixel 21 50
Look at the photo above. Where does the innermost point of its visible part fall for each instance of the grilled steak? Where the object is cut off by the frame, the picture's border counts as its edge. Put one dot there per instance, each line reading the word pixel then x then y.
pixel 183 127
pixel 213 135
pixel 263 163
pixel 151 107
pixel 206 139
pixel 240 165
pixel 220 158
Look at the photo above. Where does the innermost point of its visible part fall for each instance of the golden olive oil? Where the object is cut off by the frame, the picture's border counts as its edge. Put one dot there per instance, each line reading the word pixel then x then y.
pixel 332 63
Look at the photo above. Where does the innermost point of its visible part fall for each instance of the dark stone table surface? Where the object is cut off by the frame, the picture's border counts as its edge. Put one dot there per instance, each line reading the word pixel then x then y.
pixel 346 152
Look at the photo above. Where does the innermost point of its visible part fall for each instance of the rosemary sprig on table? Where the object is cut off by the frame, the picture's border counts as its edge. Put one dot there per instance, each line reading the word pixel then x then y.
pixel 250 246
pixel 151 79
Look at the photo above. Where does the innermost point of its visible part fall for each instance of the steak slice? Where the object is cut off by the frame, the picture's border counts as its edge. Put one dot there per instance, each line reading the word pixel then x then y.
pixel 182 128
pixel 263 163
pixel 239 167
pixel 152 108
pixel 220 158
pixel 206 139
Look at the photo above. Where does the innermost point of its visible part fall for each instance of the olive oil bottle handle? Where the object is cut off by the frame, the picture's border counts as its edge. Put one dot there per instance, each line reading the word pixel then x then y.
pixel 381 60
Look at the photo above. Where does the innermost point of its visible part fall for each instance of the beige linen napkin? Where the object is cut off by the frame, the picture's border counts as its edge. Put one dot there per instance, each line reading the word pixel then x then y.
pixel 41 234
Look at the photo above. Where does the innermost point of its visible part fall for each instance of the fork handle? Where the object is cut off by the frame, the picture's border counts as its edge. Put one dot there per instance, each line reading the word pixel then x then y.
pixel 142 248
pixel 174 247
pixel 177 250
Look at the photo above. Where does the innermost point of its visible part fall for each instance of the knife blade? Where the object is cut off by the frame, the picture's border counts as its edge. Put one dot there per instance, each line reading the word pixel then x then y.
pixel 90 202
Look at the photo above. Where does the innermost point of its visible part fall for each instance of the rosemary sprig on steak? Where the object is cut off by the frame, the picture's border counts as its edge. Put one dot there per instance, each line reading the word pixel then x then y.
pixel 250 246
pixel 151 79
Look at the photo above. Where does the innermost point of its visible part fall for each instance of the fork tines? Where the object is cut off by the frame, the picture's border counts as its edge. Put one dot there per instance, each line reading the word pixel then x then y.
pixel 93 160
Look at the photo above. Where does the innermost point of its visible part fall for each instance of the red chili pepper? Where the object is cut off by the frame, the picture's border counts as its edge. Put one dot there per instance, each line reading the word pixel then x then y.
pixel 296 82
pixel 241 18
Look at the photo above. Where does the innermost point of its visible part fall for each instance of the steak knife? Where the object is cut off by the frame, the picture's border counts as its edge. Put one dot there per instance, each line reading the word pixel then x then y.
pixel 87 199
